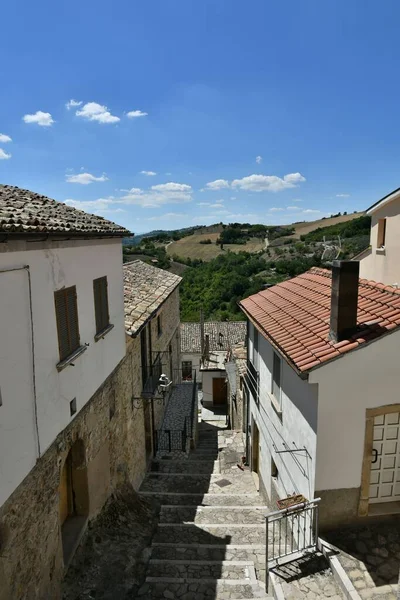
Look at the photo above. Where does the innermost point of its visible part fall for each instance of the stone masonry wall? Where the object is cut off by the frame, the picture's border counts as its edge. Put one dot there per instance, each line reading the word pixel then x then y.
pixel 112 430
pixel 169 312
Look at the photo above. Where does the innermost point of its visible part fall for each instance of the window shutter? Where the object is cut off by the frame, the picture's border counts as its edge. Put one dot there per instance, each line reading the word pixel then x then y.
pixel 62 323
pixel 72 310
pixel 67 321
pixel 100 292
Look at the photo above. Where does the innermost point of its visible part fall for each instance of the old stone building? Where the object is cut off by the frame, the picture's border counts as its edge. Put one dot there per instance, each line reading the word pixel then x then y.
pixel 76 391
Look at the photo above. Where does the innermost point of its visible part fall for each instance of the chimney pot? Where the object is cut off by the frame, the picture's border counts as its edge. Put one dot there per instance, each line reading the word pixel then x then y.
pixel 344 299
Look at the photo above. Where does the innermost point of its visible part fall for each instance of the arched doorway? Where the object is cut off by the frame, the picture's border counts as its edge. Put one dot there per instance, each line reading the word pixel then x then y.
pixel 73 499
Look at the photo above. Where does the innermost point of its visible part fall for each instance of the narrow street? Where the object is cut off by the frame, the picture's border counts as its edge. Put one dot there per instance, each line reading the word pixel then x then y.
pixel 210 540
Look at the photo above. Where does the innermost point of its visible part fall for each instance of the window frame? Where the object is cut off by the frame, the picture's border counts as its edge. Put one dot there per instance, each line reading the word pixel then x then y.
pixel 381 235
pixel 101 303
pixel 73 349
pixel 187 362
pixel 276 398
pixel 159 325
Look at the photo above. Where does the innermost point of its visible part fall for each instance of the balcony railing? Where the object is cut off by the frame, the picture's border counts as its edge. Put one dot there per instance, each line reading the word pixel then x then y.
pixel 253 380
pixel 154 373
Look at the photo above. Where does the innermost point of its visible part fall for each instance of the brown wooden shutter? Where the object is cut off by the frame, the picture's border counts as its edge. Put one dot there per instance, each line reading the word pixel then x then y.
pixel 67 321
pixel 100 293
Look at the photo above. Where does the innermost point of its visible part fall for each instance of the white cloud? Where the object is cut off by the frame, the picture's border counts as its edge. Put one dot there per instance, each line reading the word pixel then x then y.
pixel 40 118
pixel 166 217
pixel 72 104
pixel 310 211
pixel 269 183
pixel 148 173
pixel 91 205
pixel 274 209
pixel 172 187
pixel 4 138
pixel 219 204
pixel 292 208
pixel 85 178
pixel 4 155
pixel 258 160
pixel 337 195
pixel 92 111
pixel 297 200
pixel 233 198
pixel 218 184
pixel 134 114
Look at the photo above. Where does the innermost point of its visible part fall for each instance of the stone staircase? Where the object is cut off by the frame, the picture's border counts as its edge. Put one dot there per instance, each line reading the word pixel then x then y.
pixel 210 541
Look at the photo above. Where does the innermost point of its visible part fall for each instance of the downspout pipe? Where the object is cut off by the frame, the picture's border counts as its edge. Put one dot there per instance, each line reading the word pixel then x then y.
pixel 35 410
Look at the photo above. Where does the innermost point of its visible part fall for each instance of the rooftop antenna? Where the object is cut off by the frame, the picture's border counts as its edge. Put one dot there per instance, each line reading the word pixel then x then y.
pixel 202 331
pixel 332 249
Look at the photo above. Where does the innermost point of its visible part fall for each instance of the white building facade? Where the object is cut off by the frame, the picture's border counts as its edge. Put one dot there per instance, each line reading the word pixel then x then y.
pixel 327 425
pixel 41 389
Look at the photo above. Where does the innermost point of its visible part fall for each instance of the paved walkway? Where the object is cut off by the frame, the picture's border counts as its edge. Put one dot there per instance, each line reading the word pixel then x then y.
pixel 371 558
pixel 211 539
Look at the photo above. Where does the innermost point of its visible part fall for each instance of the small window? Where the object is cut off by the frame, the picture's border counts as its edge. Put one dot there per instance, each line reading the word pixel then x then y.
pixel 159 325
pixel 67 321
pixel 187 370
pixel 381 233
pixel 72 407
pixel 100 293
pixel 274 469
pixel 276 378
pixel 254 358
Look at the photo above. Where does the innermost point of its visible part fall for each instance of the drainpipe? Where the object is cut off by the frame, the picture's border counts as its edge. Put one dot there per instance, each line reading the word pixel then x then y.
pixel 35 411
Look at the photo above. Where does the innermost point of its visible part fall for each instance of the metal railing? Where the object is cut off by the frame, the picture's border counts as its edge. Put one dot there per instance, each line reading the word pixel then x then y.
pixel 168 440
pixel 252 380
pixel 151 383
pixel 291 533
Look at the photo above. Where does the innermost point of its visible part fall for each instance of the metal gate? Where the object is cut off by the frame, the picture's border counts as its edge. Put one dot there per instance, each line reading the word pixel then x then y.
pixel 291 533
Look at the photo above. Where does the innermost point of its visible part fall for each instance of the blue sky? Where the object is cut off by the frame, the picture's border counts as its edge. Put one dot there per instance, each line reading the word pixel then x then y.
pixel 195 112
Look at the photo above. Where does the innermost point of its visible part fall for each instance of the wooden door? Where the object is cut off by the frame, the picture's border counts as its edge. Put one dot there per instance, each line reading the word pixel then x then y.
pixel 219 390
pixel 385 465
pixel 255 448
pixel 65 491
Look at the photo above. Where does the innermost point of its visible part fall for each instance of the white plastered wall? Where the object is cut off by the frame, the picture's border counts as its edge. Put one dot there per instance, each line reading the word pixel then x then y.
pixel 52 266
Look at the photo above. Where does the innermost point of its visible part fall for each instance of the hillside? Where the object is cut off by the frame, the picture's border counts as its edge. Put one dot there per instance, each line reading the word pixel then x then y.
pixel 195 247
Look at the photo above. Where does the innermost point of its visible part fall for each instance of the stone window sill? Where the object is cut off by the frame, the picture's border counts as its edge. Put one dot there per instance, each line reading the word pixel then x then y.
pixel 103 333
pixel 276 406
pixel 67 361
pixel 381 250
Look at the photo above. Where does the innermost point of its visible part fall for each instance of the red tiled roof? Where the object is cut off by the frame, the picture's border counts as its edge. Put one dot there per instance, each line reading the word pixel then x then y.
pixel 295 317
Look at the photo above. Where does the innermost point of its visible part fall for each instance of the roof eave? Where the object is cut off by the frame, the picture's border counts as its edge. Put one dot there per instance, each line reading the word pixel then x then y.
pixel 47 235
pixel 394 195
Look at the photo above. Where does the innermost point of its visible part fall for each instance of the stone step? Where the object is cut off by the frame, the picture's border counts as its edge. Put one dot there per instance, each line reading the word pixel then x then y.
pixel 201 569
pixel 209 534
pixel 195 455
pixel 163 589
pixel 184 466
pixel 212 514
pixel 193 499
pixel 238 480
pixel 254 553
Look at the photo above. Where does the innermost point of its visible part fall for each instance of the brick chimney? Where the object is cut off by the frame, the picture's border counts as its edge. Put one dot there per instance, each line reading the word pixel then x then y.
pixel 344 299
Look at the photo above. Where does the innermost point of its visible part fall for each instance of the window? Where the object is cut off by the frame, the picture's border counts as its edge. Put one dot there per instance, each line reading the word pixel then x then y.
pixel 159 325
pixel 72 407
pixel 67 321
pixel 381 233
pixel 187 370
pixel 254 358
pixel 276 378
pixel 101 304
pixel 274 469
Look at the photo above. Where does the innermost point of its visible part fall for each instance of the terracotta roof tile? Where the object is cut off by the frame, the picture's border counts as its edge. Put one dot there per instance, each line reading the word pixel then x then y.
pixel 22 211
pixel 295 317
